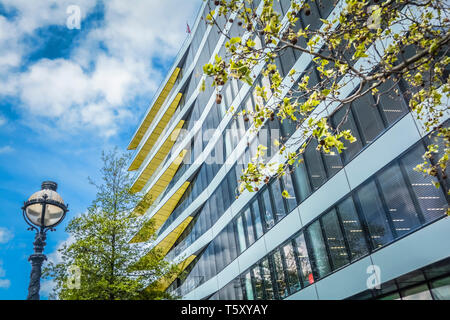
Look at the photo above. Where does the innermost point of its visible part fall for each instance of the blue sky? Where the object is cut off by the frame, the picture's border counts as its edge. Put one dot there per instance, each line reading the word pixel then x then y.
pixel 66 95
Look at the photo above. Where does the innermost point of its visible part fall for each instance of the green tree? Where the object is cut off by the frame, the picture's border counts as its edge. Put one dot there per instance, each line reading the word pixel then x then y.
pixel 109 266
pixel 378 44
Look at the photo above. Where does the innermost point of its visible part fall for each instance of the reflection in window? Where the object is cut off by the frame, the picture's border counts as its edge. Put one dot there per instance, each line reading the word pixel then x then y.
pixel 398 200
pixel 392 104
pixel 248 286
pixel 441 289
pixel 250 228
pixel 373 211
pixel 344 118
pixel 279 274
pixel 280 211
pixel 368 117
pixel 352 228
pixel 335 239
pixel 417 293
pixel 257 218
pixel 300 176
pixel 268 284
pixel 313 160
pixel 431 200
pixel 303 259
pixel 268 212
pixel 319 252
pixel 289 187
pixel 240 234
pixel 258 284
pixel 293 280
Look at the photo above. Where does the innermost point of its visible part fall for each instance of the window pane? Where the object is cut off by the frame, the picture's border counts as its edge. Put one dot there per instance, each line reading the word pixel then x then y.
pixel 300 176
pixel 258 283
pixel 417 293
pixel 349 124
pixel 303 258
pixel 268 284
pixel 352 228
pixel 248 286
pixel 441 289
pixel 319 252
pixel 373 211
pixel 249 226
pixel 291 201
pixel 278 199
pixel 279 274
pixel 240 234
pixel 431 200
pixel 257 216
pixel 392 105
pixel 368 117
pixel 314 164
pixel 401 208
pixel 334 239
pixel 293 280
pixel 333 162
pixel 268 212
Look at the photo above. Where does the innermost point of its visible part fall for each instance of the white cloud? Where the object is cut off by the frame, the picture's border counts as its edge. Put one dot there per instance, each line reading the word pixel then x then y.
pixel 4 150
pixel 5 234
pixel 92 89
pixel 4 283
pixel 2 120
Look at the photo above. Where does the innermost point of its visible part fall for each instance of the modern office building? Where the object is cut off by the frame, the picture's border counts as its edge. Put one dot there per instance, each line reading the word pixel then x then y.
pixel 360 225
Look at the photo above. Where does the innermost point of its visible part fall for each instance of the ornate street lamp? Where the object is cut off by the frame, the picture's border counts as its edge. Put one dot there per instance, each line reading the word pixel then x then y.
pixel 43 211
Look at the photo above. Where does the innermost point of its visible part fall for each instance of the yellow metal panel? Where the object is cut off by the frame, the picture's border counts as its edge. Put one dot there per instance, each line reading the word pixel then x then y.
pixel 140 157
pixel 154 110
pixel 156 161
pixel 164 282
pixel 163 180
pixel 161 216
pixel 170 239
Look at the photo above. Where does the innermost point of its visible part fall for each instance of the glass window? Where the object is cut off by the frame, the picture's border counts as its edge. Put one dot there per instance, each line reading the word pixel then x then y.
pixel 250 228
pixel 258 282
pixel 325 7
pixel 432 201
pixel 291 201
pixel 257 218
pixel 368 117
pixel 344 116
pixel 391 103
pixel 313 160
pixel 300 176
pixel 293 280
pixel 352 228
pixel 402 211
pixel 278 201
pixel 319 256
pixel 248 286
pixel 310 16
pixel 372 209
pixel 335 239
pixel 332 162
pixel 279 275
pixel 267 277
pixel 268 211
pixel 241 234
pixel 303 259
pixel 420 292
pixel 441 289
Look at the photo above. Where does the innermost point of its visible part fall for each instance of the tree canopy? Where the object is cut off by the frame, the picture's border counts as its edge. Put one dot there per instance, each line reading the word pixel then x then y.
pixel 374 46
pixel 101 263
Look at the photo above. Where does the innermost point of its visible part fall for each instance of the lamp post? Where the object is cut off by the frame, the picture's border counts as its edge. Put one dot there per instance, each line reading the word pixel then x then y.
pixel 43 211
